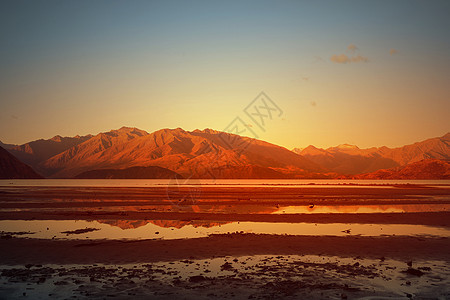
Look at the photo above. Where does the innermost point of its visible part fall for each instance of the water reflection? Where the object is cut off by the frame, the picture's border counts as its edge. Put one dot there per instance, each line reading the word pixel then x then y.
pixel 361 209
pixel 250 208
pixel 216 182
pixel 263 276
pixel 161 229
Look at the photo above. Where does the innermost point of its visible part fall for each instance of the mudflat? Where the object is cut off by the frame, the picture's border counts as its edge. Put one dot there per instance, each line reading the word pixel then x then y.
pixel 291 261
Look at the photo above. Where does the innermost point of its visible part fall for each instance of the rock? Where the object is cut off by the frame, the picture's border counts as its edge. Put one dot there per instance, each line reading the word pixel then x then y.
pixel 196 279
pixel 226 267
pixel 415 272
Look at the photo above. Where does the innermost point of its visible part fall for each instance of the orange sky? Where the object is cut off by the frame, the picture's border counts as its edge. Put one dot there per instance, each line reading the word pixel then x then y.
pixel 371 74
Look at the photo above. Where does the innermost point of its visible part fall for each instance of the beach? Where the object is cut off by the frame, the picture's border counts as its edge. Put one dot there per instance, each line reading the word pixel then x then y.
pixel 335 241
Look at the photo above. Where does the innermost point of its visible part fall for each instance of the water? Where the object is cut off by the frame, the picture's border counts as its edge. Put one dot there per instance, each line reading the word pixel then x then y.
pixel 245 277
pixel 363 209
pixel 175 229
pixel 264 277
pixel 233 209
pixel 212 182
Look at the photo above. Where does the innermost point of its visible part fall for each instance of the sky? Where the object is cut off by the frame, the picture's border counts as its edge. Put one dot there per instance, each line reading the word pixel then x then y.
pixel 369 73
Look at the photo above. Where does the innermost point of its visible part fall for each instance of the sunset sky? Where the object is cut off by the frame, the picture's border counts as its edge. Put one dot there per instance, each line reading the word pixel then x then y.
pixel 370 73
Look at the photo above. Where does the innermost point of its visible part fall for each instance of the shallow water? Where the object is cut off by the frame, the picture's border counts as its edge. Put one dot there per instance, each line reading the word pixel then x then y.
pixel 248 209
pixel 167 229
pixel 212 182
pixel 362 209
pixel 244 277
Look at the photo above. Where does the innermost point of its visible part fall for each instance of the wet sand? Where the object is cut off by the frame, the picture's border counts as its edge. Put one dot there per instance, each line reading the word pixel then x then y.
pixel 17 250
pixel 219 204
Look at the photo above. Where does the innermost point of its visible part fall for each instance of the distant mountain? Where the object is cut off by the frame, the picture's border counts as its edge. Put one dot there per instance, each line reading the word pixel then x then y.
pixel 211 154
pixel 152 172
pixel 83 156
pixel 351 160
pixel 198 154
pixel 424 169
pixel 7 146
pixel 34 152
pixel 437 148
pixel 12 168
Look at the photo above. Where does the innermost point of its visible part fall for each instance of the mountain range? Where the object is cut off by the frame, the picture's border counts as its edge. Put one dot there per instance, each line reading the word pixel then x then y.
pixel 350 160
pixel 213 154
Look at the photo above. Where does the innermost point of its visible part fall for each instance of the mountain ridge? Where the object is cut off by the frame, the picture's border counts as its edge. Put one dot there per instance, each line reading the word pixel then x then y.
pixel 209 153
pixel 350 160
pixel 200 154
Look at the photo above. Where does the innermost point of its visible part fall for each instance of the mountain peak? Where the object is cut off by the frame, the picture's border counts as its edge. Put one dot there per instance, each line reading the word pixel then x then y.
pixel 311 147
pixel 346 146
pixel 210 131
pixel 56 138
pixel 126 130
pixel 169 131
pixel 312 150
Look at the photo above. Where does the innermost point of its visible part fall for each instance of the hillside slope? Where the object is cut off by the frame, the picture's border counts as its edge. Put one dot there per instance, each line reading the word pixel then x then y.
pixel 199 154
pixel 424 169
pixel 12 168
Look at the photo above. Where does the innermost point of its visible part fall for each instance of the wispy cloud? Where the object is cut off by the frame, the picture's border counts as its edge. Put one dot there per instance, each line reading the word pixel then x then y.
pixel 359 58
pixel 353 58
pixel 340 59
pixel 393 51
pixel 352 48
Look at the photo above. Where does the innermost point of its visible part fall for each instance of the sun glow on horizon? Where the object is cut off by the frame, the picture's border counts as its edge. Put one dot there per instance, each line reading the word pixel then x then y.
pixel 369 75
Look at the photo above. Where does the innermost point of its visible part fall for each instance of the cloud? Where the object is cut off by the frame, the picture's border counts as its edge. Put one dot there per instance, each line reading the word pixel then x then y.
pixel 352 48
pixel 359 58
pixel 340 59
pixel 393 51
pixel 345 59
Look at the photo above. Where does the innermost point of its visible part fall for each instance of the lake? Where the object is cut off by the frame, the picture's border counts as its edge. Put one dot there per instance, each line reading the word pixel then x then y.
pixel 212 182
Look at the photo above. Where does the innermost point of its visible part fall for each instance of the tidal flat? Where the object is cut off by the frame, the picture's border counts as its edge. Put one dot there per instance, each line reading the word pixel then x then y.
pixel 194 241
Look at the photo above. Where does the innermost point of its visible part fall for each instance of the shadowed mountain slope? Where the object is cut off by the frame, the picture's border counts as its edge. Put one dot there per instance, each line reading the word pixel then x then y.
pixel 12 168
pixel 152 172
pixel 7 146
pixel 34 152
pixel 424 169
